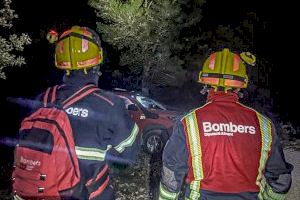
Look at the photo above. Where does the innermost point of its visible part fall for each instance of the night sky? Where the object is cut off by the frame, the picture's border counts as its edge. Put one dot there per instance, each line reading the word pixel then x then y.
pixel 272 42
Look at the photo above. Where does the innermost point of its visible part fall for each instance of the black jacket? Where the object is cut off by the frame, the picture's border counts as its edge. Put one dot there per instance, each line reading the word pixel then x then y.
pixel 103 131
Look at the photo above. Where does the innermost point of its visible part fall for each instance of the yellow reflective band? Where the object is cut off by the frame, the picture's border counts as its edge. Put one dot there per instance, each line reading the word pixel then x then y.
pixel 267 193
pixel 128 141
pixel 90 153
pixel 164 194
pixel 16 197
pixel 195 195
pixel 196 154
pixel 266 139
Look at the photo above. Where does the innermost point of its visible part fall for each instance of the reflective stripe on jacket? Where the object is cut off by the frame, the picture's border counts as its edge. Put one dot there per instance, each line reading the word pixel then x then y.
pixel 103 132
pixel 224 149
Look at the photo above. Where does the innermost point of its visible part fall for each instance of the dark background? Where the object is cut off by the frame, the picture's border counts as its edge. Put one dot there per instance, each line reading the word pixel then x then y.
pixel 277 42
pixel 273 41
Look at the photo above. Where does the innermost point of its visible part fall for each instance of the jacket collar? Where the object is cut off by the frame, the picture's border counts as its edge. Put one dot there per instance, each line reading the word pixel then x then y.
pixel 79 78
pixel 221 96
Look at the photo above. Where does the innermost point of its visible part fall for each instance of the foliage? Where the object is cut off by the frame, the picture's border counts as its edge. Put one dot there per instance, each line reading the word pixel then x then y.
pixel 164 40
pixel 14 43
pixel 146 33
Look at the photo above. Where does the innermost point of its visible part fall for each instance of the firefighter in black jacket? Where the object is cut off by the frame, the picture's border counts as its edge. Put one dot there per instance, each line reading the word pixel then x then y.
pixel 102 128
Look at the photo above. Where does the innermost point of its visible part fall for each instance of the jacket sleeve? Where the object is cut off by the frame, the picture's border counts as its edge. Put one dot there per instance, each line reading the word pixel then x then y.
pixel 277 174
pixel 175 164
pixel 125 144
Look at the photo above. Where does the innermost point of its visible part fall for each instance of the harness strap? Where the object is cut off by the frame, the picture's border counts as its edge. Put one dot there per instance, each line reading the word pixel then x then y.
pixel 50 95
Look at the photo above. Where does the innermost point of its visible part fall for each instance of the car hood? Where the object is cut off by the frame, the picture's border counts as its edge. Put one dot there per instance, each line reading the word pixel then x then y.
pixel 165 112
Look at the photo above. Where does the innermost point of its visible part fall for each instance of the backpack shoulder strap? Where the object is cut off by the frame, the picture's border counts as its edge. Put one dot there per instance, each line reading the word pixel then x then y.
pixel 81 93
pixel 50 95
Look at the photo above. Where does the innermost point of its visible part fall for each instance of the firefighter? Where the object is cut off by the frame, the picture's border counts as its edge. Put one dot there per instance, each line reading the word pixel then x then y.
pixel 103 130
pixel 225 150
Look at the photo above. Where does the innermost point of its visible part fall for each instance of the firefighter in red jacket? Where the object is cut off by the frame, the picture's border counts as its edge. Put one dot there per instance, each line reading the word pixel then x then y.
pixel 225 150
pixel 103 131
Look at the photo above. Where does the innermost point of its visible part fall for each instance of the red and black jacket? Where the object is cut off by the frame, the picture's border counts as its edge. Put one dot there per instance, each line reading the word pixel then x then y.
pixel 103 130
pixel 223 150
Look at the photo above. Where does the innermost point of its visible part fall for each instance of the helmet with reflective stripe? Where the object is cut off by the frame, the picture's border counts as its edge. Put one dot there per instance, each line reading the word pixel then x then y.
pixel 226 69
pixel 78 48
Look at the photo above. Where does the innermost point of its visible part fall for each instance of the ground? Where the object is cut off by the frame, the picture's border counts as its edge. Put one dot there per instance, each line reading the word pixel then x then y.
pixel 141 181
pixel 292 155
pixel 148 174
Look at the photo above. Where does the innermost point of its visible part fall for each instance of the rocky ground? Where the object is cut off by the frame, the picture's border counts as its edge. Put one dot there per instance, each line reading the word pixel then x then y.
pixel 133 182
pixel 142 180
pixel 292 155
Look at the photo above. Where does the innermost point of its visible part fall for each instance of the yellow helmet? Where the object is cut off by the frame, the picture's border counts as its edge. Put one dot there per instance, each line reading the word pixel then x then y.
pixel 78 48
pixel 226 69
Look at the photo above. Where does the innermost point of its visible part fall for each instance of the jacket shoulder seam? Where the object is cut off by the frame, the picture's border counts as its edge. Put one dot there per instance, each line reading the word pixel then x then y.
pixel 194 110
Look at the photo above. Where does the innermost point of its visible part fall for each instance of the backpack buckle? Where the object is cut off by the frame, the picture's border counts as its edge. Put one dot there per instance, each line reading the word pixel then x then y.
pixel 41 189
pixel 43 177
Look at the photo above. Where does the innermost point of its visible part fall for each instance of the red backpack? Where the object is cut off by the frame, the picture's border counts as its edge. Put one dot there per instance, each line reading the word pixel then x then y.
pixel 46 164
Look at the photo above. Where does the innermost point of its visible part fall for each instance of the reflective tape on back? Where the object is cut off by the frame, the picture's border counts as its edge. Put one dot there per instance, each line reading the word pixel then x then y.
pixel 266 140
pixel 196 154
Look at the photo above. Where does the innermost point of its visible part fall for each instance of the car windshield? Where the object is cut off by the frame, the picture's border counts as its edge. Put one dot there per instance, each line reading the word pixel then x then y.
pixel 149 103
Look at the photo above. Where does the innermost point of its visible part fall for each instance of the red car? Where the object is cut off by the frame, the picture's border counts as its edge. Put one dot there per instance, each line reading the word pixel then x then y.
pixel 154 120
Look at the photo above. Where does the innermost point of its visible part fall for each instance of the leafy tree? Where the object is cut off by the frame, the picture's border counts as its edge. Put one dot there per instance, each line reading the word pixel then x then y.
pixel 146 32
pixel 10 43
pixel 164 40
